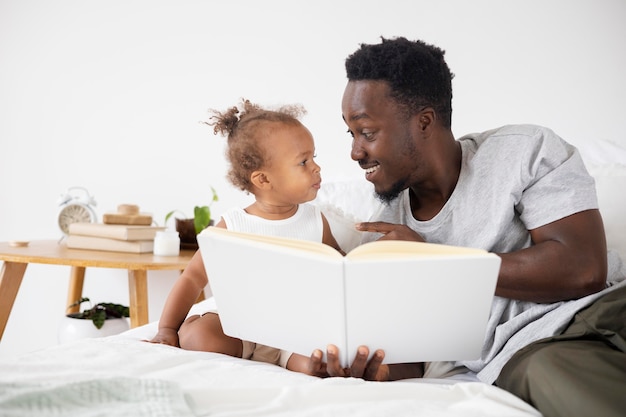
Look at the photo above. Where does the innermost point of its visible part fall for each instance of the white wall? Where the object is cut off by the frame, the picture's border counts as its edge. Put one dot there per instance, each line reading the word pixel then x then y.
pixel 108 95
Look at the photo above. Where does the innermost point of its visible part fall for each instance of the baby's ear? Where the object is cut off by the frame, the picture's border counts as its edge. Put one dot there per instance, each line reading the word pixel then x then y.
pixel 259 180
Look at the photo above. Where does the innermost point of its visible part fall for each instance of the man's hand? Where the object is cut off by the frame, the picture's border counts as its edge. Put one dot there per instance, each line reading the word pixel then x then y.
pixel 310 366
pixel 390 231
pixel 372 370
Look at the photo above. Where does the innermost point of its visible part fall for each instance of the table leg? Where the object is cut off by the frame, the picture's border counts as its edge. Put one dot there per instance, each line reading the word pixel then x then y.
pixel 75 289
pixel 10 280
pixel 138 294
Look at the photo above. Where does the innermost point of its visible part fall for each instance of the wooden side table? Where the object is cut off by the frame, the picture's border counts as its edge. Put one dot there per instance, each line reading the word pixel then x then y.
pixel 16 259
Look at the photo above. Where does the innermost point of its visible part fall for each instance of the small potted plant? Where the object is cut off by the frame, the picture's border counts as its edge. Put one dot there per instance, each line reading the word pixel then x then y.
pixel 102 319
pixel 188 228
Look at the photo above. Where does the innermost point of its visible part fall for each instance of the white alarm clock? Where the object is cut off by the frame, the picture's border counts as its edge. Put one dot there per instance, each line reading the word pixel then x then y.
pixel 76 205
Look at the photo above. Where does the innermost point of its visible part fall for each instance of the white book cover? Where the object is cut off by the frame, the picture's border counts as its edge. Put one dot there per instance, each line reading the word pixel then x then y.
pixel 417 301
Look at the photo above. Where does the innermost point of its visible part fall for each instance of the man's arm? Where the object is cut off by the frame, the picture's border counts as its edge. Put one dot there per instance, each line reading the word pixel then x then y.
pixel 566 261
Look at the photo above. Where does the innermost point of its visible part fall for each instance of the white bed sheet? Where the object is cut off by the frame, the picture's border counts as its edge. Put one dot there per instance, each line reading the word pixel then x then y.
pixel 123 375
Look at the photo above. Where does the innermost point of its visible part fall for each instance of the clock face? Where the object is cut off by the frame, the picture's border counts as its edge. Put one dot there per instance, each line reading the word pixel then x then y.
pixel 73 213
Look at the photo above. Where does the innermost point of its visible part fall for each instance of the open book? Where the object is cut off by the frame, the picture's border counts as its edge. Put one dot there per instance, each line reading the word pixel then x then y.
pixel 417 301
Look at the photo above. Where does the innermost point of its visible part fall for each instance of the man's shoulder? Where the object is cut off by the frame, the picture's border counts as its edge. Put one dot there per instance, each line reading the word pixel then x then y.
pixel 514 138
pixel 510 132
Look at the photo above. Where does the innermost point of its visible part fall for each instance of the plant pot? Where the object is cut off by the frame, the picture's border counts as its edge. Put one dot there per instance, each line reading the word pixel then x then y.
pixel 187 232
pixel 71 328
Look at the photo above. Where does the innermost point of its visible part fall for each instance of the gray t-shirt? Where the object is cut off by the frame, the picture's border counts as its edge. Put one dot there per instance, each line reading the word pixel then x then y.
pixel 513 179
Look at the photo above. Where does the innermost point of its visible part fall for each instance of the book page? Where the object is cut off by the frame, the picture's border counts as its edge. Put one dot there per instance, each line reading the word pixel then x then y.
pixel 295 244
pixel 390 249
pixel 432 308
pixel 275 295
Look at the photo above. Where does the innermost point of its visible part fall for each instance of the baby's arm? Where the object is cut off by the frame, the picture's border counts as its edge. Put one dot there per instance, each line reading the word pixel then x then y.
pixel 183 295
pixel 327 236
pixel 180 299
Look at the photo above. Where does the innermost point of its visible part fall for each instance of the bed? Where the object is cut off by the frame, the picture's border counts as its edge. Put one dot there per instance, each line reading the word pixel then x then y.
pixel 125 375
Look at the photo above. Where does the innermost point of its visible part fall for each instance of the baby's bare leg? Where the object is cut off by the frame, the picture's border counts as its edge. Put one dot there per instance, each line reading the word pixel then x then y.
pixel 205 333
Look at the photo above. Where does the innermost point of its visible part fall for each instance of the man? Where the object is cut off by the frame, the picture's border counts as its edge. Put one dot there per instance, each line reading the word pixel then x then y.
pixel 557 329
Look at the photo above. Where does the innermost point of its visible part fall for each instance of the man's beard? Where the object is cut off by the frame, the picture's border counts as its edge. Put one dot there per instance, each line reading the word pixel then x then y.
pixel 388 196
pixel 396 189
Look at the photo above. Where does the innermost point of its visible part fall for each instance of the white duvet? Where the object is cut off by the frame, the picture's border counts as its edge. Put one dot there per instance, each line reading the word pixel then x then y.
pixel 125 376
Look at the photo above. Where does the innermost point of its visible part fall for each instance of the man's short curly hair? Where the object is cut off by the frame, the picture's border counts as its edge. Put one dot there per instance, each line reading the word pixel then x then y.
pixel 246 127
pixel 416 72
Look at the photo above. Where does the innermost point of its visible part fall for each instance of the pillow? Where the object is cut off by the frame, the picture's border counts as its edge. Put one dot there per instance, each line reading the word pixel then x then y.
pixel 602 152
pixel 611 186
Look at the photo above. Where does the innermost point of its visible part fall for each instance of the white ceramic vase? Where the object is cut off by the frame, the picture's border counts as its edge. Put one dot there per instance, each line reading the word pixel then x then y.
pixel 71 328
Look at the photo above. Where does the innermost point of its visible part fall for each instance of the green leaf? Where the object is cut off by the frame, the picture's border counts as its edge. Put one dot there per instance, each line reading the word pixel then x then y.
pixel 98 317
pixel 115 311
pixel 202 214
pixel 79 302
pixel 201 218
pixel 100 312
pixel 215 198
pixel 171 213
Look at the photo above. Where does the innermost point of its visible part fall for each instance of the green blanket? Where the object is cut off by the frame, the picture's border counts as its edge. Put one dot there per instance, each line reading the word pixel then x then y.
pixel 91 398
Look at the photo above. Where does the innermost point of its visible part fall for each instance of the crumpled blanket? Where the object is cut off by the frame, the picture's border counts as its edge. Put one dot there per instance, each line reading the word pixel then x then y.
pixel 119 396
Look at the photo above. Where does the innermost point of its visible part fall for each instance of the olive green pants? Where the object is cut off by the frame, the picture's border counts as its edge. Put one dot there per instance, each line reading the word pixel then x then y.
pixel 581 372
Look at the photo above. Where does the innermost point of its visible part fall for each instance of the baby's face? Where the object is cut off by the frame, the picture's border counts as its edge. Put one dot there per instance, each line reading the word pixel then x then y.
pixel 292 171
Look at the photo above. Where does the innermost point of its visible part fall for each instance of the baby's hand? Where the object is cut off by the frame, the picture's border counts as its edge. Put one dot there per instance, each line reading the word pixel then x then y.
pixel 166 337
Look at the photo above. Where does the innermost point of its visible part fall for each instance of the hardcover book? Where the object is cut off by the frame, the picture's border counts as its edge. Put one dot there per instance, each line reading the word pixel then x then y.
pixel 115 231
pixel 417 301
pixel 107 244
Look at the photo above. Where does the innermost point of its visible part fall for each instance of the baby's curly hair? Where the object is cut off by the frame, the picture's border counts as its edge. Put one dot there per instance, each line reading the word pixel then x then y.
pixel 245 127
pixel 416 72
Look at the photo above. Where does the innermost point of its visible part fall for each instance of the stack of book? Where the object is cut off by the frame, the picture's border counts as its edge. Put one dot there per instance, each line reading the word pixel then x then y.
pixel 112 237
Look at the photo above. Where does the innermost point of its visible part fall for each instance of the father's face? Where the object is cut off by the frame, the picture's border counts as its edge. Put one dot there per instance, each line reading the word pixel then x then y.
pixel 382 141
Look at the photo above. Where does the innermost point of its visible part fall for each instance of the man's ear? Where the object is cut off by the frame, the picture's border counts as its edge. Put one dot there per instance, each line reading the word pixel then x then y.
pixel 426 119
pixel 260 180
